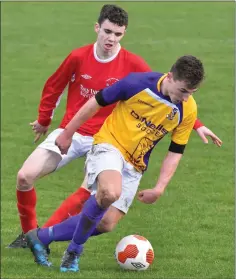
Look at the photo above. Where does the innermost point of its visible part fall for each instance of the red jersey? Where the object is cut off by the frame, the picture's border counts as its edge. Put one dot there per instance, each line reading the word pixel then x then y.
pixel 86 74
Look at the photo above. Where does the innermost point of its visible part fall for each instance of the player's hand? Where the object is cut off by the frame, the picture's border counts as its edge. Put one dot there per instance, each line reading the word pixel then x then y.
pixel 63 142
pixel 149 196
pixel 204 132
pixel 38 129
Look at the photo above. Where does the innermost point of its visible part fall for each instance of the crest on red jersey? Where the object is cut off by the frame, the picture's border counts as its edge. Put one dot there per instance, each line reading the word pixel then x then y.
pixel 111 81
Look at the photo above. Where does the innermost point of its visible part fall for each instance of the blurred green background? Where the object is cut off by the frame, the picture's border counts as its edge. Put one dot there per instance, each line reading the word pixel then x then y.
pixel 192 226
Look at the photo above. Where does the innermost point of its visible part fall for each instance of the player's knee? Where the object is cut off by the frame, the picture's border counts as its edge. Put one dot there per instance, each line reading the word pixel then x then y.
pixel 24 181
pixel 107 197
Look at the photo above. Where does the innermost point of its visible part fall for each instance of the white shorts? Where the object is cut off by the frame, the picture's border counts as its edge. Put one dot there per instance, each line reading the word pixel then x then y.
pixel 79 147
pixel 106 157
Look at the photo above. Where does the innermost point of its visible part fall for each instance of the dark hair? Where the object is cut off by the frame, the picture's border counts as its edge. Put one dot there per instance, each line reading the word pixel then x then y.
pixel 114 14
pixel 190 69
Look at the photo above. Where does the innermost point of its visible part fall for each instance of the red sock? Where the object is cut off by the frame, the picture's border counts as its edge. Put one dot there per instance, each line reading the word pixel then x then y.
pixel 26 203
pixel 69 207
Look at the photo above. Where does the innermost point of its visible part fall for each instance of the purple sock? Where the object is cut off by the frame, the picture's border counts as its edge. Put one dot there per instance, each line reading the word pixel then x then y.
pixel 91 215
pixel 60 232
pixel 44 235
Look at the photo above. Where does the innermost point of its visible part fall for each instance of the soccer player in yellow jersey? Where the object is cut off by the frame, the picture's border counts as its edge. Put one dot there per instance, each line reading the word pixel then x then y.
pixel 150 105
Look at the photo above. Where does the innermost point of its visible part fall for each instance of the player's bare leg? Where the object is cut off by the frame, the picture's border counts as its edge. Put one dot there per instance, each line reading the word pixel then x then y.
pixel 40 163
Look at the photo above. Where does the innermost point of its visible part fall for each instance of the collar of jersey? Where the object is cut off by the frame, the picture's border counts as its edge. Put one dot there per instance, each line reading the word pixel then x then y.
pixel 160 81
pixel 159 88
pixel 105 60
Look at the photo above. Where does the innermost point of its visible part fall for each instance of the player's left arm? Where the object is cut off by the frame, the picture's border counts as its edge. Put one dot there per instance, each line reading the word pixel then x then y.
pixel 168 168
pixel 180 137
pixel 205 132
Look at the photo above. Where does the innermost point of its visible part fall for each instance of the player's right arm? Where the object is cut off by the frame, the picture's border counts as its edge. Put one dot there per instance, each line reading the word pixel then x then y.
pixel 51 93
pixel 54 87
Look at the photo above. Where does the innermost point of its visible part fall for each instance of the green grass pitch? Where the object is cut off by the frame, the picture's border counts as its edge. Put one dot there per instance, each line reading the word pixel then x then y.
pixel 192 226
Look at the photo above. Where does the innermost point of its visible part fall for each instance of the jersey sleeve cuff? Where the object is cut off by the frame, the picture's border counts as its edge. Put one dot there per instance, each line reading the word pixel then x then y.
pixel 176 148
pixel 44 122
pixel 197 124
pixel 100 100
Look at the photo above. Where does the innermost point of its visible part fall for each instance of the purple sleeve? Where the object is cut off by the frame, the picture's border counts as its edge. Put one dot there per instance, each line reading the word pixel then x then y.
pixel 121 90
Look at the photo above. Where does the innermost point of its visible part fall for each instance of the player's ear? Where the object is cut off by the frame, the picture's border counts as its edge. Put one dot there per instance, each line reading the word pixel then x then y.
pixel 96 27
pixel 169 76
pixel 124 34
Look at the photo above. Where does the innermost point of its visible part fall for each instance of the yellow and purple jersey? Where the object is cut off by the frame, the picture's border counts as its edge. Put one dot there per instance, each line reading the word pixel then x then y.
pixel 142 117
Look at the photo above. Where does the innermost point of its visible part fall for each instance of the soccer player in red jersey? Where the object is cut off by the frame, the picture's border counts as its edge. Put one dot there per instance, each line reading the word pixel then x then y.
pixel 86 70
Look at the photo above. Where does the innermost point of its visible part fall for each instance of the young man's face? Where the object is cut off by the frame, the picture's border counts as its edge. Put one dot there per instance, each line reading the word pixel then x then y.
pixel 109 35
pixel 178 91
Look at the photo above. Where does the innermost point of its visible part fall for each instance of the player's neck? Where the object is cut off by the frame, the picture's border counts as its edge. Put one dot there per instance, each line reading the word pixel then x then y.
pixel 164 90
pixel 102 55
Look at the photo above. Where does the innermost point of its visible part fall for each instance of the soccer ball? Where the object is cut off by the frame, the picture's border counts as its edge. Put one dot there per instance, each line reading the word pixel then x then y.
pixel 134 252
